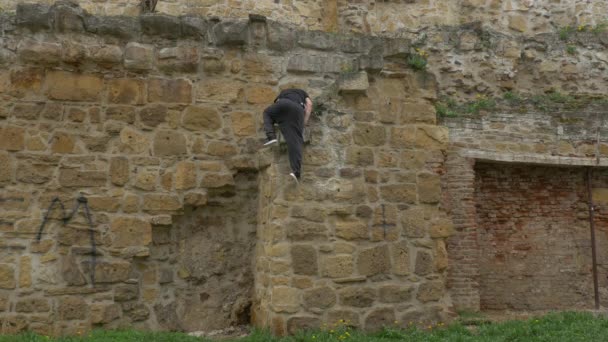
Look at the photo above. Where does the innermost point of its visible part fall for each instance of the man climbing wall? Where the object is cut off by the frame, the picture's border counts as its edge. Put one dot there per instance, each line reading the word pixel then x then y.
pixel 291 110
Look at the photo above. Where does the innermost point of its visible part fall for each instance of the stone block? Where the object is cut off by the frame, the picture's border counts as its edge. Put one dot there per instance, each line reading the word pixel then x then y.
pixel 369 135
pixel 32 305
pixel 416 220
pixel 28 81
pixel 518 22
pixel 430 137
pixel 76 178
pixel 380 319
pixel 401 259
pixel 126 91
pixel 217 180
pixel 12 138
pixel 221 149
pixel 25 271
pixel 317 40
pixel 260 95
pixel 179 59
pixel 68 86
pixel 161 202
pixel 403 137
pixel 123 27
pixel 194 27
pixel 285 299
pixel 161 25
pixel 320 64
pixel 351 230
pixel 67 17
pixel 139 57
pixel 231 32
pixel 72 308
pixel 121 113
pixel 399 193
pixel 7 168
pixel 105 55
pixel 34 17
pixel 441 256
pixel 27 111
pixel 63 143
pixel 104 313
pixel 130 231
pixel 70 271
pixel 219 90
pixel 34 51
pixel 430 291
pixel 337 266
pixel 301 323
pixel 304 260
pixel 359 156
pixel 441 227
pixel 109 271
pixel 429 187
pixel 396 47
pixel 243 124
pixel 8 280
pixel 185 175
pixel 198 118
pixel 126 292
pixel 418 112
pixel 424 263
pixel 41 247
pixel 354 82
pixel 395 294
pixel 169 143
pixel 169 90
pixel 374 260
pixel 371 62
pixel 358 297
pixel 299 230
pixel 4 302
pixel 154 115
pixel 34 173
pixel 119 170
pixel 280 37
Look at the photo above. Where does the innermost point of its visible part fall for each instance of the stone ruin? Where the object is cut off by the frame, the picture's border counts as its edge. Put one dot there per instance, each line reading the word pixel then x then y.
pixel 152 125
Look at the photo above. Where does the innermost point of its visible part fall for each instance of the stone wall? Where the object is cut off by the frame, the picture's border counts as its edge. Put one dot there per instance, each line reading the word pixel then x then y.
pixel 375 17
pixel 155 120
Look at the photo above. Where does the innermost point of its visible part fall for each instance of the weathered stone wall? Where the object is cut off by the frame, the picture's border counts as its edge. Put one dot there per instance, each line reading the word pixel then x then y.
pixel 156 121
pixel 375 17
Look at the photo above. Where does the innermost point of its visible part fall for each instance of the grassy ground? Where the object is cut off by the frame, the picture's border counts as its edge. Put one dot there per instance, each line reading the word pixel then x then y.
pixel 569 326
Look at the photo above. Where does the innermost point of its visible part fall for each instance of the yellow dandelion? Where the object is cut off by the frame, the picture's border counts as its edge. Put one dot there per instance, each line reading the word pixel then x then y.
pixel 581 28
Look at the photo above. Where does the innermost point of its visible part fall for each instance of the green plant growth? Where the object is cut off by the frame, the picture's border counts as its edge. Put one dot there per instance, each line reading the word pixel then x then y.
pixel 418 60
pixel 600 28
pixel 566 32
pixel 571 49
pixel 447 107
pixel 565 326
pixel 512 97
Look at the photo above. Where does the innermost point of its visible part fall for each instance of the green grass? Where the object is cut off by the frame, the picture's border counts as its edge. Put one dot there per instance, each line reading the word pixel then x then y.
pixel 566 326
pixel 417 62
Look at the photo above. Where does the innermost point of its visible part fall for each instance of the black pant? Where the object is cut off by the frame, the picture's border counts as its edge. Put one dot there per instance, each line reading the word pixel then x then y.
pixel 290 117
